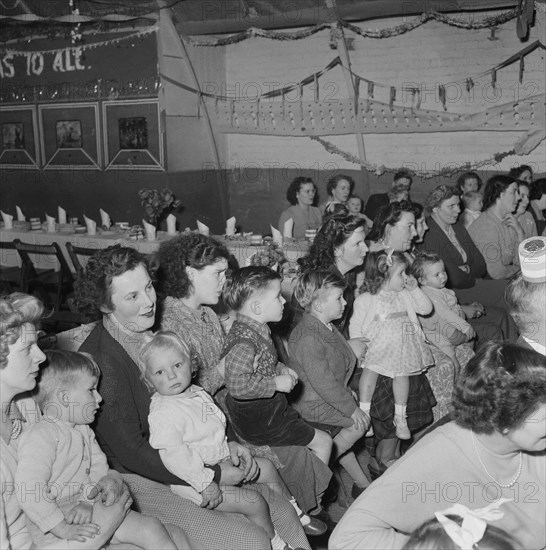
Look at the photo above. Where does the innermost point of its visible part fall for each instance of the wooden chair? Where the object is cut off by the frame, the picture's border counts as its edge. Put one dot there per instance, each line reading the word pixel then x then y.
pixel 45 281
pixel 10 276
pixel 75 251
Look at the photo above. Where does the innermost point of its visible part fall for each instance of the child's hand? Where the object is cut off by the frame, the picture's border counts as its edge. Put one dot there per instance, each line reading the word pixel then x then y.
pixel 284 383
pixel 80 514
pixel 80 533
pixel 411 282
pixel 291 372
pixel 361 420
pixel 212 496
pixel 359 346
pixel 479 307
pixel 471 334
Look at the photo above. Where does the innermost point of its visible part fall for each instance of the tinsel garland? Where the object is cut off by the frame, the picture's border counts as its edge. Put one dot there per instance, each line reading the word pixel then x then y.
pixel 86 46
pixel 397 30
pixel 425 174
pixel 81 91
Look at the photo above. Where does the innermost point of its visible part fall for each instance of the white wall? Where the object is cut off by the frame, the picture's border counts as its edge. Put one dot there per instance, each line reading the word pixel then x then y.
pixel 434 53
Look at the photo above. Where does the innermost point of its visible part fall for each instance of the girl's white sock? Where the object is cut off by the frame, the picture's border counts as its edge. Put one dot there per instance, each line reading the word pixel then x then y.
pixel 304 518
pixel 365 406
pixel 400 410
pixel 277 543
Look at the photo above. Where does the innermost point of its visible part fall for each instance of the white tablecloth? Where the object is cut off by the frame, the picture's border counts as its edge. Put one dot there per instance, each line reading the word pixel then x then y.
pixel 240 251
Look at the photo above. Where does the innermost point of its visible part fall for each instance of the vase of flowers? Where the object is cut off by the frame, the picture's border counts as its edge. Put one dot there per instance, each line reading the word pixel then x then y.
pixel 157 204
pixel 270 257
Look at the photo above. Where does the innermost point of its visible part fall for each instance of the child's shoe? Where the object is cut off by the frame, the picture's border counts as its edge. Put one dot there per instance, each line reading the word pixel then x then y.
pixel 402 430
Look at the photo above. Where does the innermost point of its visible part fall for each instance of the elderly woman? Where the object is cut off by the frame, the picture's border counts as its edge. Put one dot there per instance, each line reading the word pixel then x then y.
pixel 494 449
pixel 117 289
pixel 465 266
pixel 20 359
pixel 497 233
pixel 192 274
pixel 301 195
pixel 340 247
pixel 339 188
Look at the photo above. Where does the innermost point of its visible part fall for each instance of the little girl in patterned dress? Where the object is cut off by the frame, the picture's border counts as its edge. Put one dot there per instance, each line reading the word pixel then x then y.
pixel 386 314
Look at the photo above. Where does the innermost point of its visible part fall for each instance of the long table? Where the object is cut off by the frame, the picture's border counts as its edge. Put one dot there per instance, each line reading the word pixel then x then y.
pixel 10 258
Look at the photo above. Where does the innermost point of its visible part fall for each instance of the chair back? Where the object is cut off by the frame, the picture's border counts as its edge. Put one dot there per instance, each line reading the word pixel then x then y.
pixel 75 251
pixel 30 271
pixel 10 275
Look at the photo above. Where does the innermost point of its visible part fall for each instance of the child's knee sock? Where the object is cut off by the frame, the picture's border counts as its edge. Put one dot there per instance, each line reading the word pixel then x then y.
pixel 277 543
pixel 400 410
pixel 365 406
pixel 304 519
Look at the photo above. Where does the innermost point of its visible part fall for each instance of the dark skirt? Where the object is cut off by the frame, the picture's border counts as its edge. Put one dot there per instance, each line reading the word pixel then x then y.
pixel 269 421
pixel 421 401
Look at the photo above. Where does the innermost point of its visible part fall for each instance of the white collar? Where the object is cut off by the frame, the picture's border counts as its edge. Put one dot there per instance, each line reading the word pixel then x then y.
pixel 536 346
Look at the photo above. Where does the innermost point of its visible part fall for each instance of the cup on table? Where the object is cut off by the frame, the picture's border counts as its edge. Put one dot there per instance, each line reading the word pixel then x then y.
pixel 310 234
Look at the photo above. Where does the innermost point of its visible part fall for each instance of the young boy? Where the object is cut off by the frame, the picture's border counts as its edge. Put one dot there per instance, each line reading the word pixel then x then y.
pixel 256 399
pixel 60 459
pixel 430 272
pixel 189 431
pixel 473 204
pixel 324 363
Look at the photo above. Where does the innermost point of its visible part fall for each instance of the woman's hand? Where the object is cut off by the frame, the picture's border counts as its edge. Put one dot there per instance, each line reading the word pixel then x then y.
pixel 212 496
pixel 109 489
pixel 243 460
pixel 511 221
pixel 291 372
pixel 359 346
pixel 474 310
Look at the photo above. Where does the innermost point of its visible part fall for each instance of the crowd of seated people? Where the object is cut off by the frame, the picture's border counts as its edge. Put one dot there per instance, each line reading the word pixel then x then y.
pixel 184 413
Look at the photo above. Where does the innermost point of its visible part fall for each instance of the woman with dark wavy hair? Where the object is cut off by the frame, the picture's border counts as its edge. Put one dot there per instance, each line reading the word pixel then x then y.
pixel 301 194
pixel 117 290
pixel 494 449
pixel 192 273
pixel 394 227
pixel 497 232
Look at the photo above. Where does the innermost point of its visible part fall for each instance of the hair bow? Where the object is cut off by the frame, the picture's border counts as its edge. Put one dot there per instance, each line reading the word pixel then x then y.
pixel 474 522
pixel 388 259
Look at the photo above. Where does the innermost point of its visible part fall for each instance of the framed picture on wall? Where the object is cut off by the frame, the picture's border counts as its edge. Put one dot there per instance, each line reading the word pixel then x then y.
pixel 70 136
pixel 18 146
pixel 133 138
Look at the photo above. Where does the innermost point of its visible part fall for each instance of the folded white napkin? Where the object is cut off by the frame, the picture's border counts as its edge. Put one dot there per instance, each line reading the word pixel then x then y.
pixel 203 229
pixel 105 220
pixel 91 225
pixel 230 226
pixel 20 215
pixel 171 224
pixel 61 214
pixel 288 228
pixel 150 230
pixel 276 234
pixel 7 219
pixel 50 220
